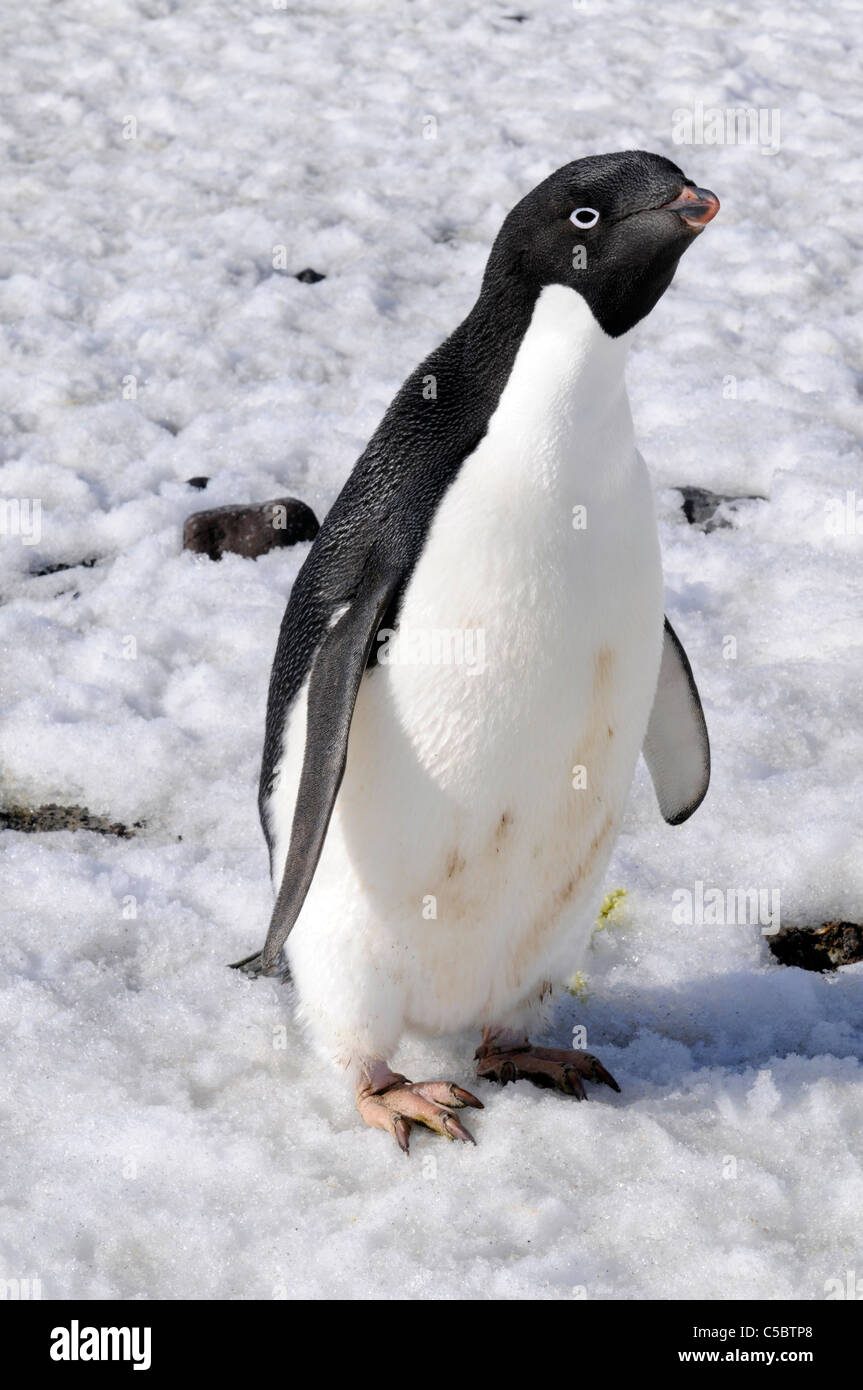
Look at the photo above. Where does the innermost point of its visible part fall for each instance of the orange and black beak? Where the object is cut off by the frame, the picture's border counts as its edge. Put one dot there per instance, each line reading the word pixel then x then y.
pixel 696 207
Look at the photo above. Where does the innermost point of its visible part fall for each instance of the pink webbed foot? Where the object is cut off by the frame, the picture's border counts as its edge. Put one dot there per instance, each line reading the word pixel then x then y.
pixel 557 1067
pixel 395 1104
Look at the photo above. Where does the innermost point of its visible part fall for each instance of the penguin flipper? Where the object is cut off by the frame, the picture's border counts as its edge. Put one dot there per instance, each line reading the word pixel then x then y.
pixel 334 682
pixel 676 747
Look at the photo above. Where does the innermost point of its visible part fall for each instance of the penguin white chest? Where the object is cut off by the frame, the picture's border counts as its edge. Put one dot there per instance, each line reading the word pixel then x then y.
pixel 497 737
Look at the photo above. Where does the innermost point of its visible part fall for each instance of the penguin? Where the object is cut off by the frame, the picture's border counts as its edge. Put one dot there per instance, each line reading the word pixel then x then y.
pixel 472 657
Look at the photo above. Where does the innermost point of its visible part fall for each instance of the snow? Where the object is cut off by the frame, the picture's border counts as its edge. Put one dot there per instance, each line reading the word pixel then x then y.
pixel 167 1131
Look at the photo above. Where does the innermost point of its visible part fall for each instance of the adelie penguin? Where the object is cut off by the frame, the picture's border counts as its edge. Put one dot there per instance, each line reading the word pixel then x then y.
pixel 438 826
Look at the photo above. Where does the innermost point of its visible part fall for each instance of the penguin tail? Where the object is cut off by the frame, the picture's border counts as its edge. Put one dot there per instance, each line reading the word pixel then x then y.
pixel 253 966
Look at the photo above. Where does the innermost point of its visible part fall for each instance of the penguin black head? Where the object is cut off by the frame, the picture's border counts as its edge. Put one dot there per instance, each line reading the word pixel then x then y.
pixel 612 227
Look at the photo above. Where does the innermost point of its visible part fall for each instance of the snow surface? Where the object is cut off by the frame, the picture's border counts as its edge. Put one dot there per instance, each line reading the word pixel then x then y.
pixel 164 1135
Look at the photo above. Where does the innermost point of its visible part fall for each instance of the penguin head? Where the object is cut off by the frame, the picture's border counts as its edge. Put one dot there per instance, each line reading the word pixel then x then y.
pixel 612 227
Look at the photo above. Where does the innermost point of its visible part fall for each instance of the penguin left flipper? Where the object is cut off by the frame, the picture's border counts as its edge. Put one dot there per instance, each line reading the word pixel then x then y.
pixel 334 682
pixel 676 747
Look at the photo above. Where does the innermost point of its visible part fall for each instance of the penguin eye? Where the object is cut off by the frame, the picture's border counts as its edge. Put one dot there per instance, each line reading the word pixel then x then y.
pixel 584 217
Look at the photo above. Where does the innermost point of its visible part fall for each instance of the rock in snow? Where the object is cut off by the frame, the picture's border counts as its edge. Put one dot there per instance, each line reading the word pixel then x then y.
pixel 250 531
pixel 819 948
pixel 700 506
pixel 51 817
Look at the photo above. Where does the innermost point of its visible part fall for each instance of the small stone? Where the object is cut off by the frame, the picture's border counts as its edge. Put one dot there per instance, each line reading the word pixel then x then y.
pixel 819 948
pixel 309 276
pixel 53 817
pixel 59 568
pixel 249 530
pixel 700 506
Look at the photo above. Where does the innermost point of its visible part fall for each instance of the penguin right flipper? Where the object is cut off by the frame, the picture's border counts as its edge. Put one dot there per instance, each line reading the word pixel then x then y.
pixel 334 682
pixel 676 747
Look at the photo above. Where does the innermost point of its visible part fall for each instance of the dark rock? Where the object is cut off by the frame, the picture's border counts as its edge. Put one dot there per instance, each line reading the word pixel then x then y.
pixel 73 565
pixel 53 817
pixel 249 530
pixel 199 483
pixel 819 948
pixel 309 276
pixel 700 506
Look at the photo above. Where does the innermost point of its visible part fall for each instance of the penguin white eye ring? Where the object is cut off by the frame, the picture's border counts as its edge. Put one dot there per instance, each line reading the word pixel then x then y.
pixel 584 217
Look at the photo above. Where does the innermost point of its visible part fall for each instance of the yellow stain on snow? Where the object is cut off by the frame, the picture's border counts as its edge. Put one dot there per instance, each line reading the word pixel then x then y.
pixel 611 910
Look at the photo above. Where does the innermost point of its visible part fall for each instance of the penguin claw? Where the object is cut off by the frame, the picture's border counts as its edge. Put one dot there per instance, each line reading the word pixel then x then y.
pixel 400 1103
pixel 254 967
pixel 571 1083
pixel 402 1132
pixel 559 1069
pixel 456 1130
pixel 448 1094
pixel 605 1077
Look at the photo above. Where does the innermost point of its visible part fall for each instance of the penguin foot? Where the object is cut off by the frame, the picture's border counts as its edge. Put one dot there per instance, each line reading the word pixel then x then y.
pixel 560 1068
pixel 253 966
pixel 395 1104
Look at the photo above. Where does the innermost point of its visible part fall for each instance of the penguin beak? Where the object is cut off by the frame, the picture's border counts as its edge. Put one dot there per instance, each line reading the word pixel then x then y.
pixel 696 207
